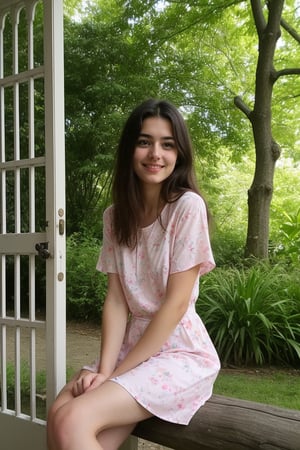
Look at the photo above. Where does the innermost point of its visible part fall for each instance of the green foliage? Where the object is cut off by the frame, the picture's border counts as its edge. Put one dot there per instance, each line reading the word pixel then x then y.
pixel 86 288
pixel 252 314
pixel 25 389
pixel 24 380
pixel 197 54
pixel 227 200
pixel 288 247
pixel 228 247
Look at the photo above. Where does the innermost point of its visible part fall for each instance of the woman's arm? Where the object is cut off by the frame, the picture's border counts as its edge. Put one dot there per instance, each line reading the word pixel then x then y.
pixel 177 299
pixel 114 321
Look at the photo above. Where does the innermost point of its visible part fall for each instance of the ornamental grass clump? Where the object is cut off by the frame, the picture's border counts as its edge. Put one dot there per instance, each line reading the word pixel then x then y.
pixel 252 315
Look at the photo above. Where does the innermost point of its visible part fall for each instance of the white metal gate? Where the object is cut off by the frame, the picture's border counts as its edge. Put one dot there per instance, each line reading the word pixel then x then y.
pixel 32 218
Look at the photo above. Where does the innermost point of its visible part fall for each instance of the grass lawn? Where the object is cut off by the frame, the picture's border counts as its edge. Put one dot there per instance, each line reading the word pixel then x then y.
pixel 276 387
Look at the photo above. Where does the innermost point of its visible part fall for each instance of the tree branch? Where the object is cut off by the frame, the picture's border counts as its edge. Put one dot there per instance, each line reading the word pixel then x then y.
pixel 239 103
pixel 210 11
pixel 290 30
pixel 281 73
pixel 258 16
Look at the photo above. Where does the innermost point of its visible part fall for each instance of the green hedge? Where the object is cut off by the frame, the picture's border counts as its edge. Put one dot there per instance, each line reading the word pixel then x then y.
pixel 86 287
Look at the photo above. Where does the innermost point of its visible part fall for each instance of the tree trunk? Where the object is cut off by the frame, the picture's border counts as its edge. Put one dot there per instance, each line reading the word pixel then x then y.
pixel 267 150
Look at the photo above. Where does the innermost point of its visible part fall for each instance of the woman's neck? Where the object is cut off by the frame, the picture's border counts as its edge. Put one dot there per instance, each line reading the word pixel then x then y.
pixel 152 207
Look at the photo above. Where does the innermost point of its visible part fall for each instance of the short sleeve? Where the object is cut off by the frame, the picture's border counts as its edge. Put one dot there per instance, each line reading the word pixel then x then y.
pixel 191 245
pixel 107 260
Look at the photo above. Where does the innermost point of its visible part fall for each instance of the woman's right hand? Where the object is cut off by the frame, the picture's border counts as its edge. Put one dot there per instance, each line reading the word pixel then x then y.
pixel 87 381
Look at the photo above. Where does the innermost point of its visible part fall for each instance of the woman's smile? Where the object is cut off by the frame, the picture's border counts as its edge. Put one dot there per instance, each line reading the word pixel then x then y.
pixel 155 152
pixel 153 167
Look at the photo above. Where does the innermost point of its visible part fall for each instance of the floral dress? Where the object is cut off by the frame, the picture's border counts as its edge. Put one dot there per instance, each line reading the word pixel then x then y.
pixel 176 381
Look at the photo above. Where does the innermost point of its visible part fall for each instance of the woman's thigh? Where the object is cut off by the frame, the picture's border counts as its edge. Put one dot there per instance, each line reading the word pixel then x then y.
pixel 106 406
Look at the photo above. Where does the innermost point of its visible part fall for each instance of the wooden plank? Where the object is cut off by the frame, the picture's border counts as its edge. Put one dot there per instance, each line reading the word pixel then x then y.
pixel 228 424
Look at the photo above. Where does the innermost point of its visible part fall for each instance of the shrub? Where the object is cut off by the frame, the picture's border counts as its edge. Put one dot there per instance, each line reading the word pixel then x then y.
pixel 228 247
pixel 288 246
pixel 252 314
pixel 86 287
pixel 24 380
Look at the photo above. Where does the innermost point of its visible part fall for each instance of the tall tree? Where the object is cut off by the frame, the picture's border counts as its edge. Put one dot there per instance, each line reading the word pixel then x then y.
pixel 266 148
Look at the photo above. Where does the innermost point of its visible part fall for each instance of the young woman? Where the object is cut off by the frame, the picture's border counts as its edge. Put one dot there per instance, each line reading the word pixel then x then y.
pixel 156 356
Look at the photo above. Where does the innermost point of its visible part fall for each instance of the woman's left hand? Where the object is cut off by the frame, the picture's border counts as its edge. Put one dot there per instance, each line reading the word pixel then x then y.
pixel 87 381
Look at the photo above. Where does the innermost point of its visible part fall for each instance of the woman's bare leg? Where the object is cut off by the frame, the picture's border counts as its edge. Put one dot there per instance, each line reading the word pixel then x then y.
pixel 63 397
pixel 76 424
pixel 113 438
pixel 110 439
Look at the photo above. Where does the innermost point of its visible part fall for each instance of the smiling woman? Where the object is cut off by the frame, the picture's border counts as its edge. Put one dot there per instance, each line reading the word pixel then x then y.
pixel 140 134
pixel 156 356
pixel 154 157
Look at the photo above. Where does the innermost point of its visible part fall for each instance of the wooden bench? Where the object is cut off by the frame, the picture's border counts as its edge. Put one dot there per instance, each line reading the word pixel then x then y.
pixel 226 424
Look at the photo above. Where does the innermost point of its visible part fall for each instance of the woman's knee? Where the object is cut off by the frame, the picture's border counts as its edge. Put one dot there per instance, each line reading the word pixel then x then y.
pixel 52 410
pixel 63 423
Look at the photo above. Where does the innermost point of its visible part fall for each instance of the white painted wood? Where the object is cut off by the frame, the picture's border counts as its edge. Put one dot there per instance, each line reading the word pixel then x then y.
pixel 37 72
pixel 26 162
pixel 24 323
pixel 17 245
pixel 13 243
pixel 55 210
pixel 23 432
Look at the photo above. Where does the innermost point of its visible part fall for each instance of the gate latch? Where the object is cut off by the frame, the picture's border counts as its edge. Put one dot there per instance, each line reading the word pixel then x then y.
pixel 42 249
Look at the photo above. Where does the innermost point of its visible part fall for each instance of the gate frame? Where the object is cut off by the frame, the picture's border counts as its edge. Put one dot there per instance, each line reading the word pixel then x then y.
pixel 23 428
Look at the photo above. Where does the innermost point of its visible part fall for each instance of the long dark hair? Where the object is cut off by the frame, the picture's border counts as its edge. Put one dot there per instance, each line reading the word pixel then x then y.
pixel 127 197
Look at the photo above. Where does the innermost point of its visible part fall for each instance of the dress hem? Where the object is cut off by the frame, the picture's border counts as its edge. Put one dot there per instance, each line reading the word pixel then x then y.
pixel 148 407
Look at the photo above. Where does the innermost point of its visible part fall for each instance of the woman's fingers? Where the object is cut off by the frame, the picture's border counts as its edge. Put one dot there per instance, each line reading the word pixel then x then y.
pixel 87 382
pixel 97 381
pixel 81 383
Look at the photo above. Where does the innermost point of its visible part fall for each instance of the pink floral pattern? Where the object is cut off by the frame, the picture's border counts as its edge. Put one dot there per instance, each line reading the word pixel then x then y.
pixel 176 381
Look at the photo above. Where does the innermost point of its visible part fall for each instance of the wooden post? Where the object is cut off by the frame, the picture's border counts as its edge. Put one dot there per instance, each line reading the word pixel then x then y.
pixel 228 424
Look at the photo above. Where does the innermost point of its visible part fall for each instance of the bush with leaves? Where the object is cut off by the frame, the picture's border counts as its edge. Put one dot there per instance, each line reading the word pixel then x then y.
pixel 86 287
pixel 24 380
pixel 252 314
pixel 288 247
pixel 228 247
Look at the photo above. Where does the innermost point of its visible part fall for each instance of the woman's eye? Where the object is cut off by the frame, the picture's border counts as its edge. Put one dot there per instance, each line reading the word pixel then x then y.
pixel 143 143
pixel 169 145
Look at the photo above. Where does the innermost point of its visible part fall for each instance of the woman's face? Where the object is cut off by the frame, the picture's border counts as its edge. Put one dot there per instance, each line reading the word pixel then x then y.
pixel 156 152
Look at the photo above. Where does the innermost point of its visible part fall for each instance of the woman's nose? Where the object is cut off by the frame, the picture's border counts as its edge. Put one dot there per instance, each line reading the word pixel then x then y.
pixel 155 150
